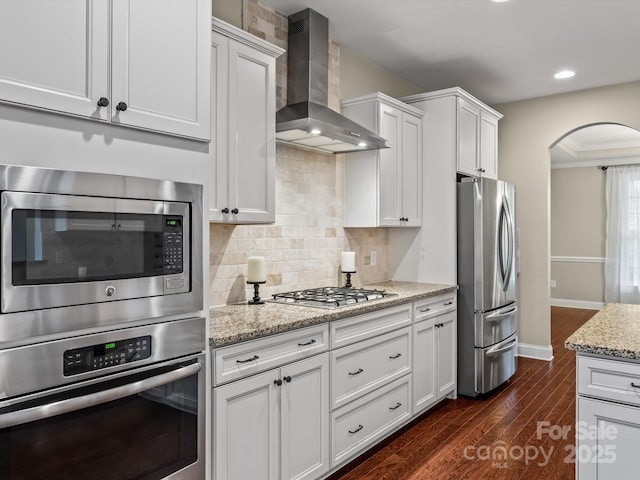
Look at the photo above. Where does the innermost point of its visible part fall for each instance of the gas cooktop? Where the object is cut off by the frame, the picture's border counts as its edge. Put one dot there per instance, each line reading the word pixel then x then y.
pixel 329 297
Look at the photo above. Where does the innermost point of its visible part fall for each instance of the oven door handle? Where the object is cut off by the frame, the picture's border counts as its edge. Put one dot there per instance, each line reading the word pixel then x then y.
pixel 41 412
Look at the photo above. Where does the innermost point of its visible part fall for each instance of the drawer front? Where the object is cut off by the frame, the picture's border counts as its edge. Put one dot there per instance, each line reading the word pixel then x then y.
pixel 609 379
pixel 366 421
pixel 248 358
pixel 431 307
pixel 361 368
pixel 361 327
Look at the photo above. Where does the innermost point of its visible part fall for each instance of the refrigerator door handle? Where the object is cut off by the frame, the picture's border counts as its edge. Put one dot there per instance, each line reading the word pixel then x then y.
pixel 498 349
pixel 500 314
pixel 505 222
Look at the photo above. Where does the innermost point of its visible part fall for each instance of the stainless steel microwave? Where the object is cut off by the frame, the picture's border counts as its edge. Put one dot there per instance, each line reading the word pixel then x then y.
pixel 70 241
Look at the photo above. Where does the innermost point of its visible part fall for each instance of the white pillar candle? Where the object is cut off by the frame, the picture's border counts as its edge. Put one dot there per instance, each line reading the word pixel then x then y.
pixel 348 263
pixel 256 269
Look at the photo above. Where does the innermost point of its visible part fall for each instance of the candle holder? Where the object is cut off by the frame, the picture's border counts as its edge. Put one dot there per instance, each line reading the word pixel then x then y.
pixel 348 284
pixel 256 294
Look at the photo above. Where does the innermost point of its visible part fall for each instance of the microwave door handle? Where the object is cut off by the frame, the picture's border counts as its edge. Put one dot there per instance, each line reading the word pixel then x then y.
pixel 78 403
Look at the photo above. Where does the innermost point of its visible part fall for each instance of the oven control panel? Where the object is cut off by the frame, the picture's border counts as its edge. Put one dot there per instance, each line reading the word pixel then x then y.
pixel 104 355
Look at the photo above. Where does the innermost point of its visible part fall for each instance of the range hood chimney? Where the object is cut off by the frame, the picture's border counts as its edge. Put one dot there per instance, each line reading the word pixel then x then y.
pixel 307 121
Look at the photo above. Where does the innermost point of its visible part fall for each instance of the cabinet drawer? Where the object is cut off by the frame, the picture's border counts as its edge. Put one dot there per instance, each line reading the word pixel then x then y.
pixel 361 327
pixel 360 368
pixel 356 426
pixel 609 379
pixel 431 307
pixel 248 358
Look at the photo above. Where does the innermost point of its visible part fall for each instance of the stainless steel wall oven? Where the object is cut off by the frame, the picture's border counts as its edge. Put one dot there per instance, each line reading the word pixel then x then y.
pixel 102 333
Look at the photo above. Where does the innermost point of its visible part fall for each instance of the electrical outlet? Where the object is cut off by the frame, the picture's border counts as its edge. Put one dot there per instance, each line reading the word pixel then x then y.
pixel 553 284
pixel 373 258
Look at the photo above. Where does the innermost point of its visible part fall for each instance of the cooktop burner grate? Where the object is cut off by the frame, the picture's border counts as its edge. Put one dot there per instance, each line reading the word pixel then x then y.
pixel 329 297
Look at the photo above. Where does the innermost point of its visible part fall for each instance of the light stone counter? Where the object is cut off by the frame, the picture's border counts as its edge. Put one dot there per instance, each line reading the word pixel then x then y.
pixel 241 322
pixel 614 331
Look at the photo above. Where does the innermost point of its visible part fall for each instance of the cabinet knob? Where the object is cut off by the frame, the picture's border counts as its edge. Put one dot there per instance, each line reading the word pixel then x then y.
pixel 121 107
pixel 225 210
pixel 235 211
pixel 287 379
pixel 277 382
pixel 103 102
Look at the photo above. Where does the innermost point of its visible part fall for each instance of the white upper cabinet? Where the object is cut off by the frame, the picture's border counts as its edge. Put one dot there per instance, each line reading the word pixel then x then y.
pixel 477 138
pixel 129 62
pixel 244 102
pixel 382 188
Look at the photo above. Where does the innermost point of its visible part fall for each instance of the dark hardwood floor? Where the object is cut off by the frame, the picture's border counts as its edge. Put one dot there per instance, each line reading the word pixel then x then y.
pixel 524 430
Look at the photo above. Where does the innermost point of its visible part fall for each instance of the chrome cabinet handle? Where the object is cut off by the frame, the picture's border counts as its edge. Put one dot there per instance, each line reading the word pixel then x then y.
pixel 397 405
pixel 357 372
pixel 397 355
pixel 423 310
pixel 78 403
pixel 255 357
pixel 310 342
pixel 360 427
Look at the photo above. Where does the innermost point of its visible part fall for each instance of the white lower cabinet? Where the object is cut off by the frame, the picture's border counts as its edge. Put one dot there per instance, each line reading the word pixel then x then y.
pixel 369 419
pixel 274 425
pixel 608 414
pixel 434 353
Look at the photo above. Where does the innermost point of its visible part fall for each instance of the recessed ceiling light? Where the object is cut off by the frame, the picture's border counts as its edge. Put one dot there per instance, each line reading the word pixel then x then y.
pixel 362 144
pixel 499 1
pixel 564 74
pixel 315 131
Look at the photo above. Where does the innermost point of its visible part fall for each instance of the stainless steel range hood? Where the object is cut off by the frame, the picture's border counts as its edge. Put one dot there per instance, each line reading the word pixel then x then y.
pixel 307 121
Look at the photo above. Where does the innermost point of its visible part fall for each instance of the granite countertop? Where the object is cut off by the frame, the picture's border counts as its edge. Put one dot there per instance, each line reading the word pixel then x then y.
pixel 241 322
pixel 614 331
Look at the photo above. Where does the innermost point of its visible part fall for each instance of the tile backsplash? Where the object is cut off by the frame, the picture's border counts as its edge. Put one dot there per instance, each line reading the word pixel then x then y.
pixel 302 248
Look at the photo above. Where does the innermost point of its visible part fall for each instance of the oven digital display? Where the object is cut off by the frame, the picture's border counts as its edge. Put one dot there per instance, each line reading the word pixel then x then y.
pixel 105 355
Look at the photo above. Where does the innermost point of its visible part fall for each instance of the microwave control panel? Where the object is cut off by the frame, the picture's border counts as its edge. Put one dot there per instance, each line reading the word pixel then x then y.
pixel 105 355
pixel 172 245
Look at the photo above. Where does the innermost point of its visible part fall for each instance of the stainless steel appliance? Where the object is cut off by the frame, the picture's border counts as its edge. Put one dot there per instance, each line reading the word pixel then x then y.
pixel 126 404
pixel 487 303
pixel 329 297
pixel 73 240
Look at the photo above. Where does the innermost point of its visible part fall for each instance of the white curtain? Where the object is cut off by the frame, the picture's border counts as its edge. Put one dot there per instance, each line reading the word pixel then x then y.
pixel 622 265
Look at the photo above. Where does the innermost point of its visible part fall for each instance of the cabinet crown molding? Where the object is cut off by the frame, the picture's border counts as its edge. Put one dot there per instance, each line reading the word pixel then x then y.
pixel 381 97
pixel 448 92
pixel 231 31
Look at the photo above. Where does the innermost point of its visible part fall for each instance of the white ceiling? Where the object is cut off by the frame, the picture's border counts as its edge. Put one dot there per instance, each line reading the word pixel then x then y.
pixel 498 52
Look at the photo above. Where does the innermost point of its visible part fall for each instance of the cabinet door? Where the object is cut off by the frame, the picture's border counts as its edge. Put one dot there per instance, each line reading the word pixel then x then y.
pixel 54 55
pixel 424 364
pixel 304 407
pixel 488 145
pixel 160 65
pixel 219 153
pixel 608 435
pixel 389 173
pixel 446 352
pixel 246 428
pixel 468 137
pixel 411 184
pixel 251 135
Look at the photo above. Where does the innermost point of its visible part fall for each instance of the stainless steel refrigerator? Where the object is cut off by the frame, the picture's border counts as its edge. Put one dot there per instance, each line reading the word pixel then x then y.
pixel 487 306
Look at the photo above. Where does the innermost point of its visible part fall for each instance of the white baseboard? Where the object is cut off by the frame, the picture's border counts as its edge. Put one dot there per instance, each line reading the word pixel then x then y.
pixel 563 302
pixel 536 352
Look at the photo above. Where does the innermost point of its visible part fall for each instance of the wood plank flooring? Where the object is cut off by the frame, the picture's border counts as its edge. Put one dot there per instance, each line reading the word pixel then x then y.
pixel 524 430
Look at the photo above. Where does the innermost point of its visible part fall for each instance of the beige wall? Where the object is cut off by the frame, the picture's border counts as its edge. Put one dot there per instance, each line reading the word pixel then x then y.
pixel 527 131
pixel 578 218
pixel 228 10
